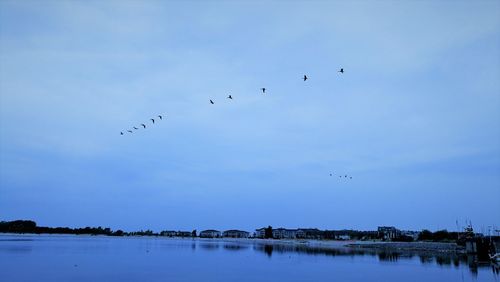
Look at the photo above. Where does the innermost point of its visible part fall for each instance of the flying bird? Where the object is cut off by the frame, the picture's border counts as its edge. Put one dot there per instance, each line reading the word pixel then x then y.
pixel 346 176
pixel 330 174
pixel 135 128
pixel 211 102
pixel 129 131
pixel 341 70
pixel 350 177
pixel 230 97
pixel 305 77
pixel 152 120
pixel 160 116
pixel 121 133
pixel 143 125
pixel 263 90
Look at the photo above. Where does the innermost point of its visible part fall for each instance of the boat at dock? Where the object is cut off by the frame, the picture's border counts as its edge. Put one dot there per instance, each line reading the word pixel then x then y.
pixel 495 258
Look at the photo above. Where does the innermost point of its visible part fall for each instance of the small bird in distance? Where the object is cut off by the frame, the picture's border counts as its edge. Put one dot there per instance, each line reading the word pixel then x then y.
pixel 152 119
pixel 230 97
pixel 143 125
pixel 305 77
pixel 160 116
pixel 341 70
pixel 263 90
pixel 211 102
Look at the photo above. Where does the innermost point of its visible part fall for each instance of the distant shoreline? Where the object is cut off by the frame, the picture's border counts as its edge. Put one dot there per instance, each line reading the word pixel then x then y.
pixel 419 247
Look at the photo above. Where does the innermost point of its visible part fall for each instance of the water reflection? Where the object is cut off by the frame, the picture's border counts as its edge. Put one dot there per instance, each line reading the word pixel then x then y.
pixel 209 246
pixel 441 259
pixel 180 254
pixel 269 250
pixel 385 256
pixel 15 249
pixel 235 247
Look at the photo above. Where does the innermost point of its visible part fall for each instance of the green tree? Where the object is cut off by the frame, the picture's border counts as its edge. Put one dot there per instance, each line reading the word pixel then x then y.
pixel 118 233
pixel 268 233
pixel 425 235
pixel 441 235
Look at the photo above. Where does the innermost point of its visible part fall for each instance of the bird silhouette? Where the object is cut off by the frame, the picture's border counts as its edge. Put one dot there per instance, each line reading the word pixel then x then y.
pixel 129 131
pixel 152 120
pixel 330 174
pixel 160 116
pixel 305 77
pixel 211 102
pixel 350 177
pixel 263 90
pixel 121 133
pixel 345 176
pixel 135 128
pixel 341 70
pixel 230 97
pixel 143 125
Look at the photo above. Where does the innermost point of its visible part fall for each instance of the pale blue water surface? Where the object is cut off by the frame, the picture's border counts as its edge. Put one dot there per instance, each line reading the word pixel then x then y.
pixel 101 258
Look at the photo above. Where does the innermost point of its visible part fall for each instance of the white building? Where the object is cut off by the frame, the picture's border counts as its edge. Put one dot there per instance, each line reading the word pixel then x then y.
pixel 283 233
pixel 260 233
pixel 343 237
pixel 168 233
pixel 210 233
pixel 388 232
pixel 235 234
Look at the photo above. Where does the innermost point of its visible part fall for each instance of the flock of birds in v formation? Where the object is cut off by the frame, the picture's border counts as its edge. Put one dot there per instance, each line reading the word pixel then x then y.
pixel 263 89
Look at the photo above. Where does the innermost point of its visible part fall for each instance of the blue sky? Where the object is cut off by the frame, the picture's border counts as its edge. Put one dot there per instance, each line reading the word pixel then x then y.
pixel 415 118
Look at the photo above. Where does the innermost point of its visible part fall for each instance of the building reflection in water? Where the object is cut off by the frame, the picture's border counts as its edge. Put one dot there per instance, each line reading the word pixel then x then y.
pixel 235 247
pixel 269 250
pixel 441 259
pixel 209 246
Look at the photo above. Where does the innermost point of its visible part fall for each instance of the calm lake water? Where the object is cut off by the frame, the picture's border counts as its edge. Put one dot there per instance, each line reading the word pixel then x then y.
pixel 96 258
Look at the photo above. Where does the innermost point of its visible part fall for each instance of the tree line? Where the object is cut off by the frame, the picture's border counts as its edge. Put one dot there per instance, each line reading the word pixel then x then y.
pixel 29 226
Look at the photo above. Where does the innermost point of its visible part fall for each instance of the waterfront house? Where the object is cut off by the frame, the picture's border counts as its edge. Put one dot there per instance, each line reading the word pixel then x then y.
pixel 183 234
pixel 309 233
pixel 388 232
pixel 283 233
pixel 260 233
pixel 235 234
pixel 168 233
pixel 210 234
pixel 343 237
